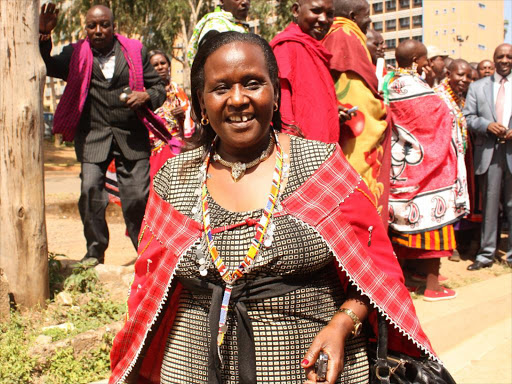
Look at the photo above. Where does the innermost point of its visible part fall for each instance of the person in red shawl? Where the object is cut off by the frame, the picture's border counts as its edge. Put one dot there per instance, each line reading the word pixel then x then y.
pixel 428 177
pixel 365 138
pixel 308 99
pixel 259 249
pixel 453 89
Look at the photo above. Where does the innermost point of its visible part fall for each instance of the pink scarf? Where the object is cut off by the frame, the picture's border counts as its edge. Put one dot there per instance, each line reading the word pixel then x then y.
pixel 69 110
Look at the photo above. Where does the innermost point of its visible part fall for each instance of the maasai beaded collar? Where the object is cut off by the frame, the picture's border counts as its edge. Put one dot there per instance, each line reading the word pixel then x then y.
pixel 228 276
pixel 457 104
pixel 238 169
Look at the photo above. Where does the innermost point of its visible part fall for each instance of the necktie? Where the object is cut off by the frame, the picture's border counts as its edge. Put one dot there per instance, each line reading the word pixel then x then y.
pixel 500 102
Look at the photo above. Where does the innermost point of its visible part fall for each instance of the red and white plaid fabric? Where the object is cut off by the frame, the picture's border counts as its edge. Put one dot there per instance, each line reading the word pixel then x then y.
pixel 333 201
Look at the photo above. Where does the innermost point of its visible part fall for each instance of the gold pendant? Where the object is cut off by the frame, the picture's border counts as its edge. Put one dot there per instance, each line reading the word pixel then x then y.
pixel 237 171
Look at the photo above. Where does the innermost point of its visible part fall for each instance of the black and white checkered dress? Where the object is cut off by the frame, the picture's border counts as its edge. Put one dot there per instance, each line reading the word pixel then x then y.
pixel 283 326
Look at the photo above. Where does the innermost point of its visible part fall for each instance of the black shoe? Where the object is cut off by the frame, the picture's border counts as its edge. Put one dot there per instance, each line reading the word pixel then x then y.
pixel 479 265
pixel 92 261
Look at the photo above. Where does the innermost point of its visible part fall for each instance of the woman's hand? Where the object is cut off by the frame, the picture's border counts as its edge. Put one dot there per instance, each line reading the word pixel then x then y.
pixel 178 113
pixel 330 340
pixel 48 18
pixel 343 115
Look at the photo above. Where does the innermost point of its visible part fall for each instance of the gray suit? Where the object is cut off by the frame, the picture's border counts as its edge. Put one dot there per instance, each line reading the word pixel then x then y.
pixel 493 162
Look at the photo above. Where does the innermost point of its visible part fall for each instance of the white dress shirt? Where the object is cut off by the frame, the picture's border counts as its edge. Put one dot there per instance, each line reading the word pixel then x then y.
pixel 507 111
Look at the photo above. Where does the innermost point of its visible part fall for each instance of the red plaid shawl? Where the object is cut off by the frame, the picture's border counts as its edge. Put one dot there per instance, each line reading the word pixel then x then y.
pixel 71 105
pixel 333 201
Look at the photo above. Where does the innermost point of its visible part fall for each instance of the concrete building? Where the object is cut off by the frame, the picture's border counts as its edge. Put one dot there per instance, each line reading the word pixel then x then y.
pixel 470 29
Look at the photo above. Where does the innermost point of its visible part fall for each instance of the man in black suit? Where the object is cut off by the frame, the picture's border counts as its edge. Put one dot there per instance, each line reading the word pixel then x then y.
pixel 106 128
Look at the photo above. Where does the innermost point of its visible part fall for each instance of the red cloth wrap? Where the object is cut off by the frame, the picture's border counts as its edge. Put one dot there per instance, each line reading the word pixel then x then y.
pixel 308 98
pixel 349 52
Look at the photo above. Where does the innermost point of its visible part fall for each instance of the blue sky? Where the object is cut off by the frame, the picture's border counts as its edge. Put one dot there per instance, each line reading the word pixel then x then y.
pixel 508 16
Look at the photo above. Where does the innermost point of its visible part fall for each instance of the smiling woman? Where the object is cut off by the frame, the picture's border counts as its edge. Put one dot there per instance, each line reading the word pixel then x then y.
pixel 246 277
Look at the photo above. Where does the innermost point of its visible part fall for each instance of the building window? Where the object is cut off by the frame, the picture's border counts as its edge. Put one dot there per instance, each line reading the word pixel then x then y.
pixel 437 12
pixel 390 62
pixel 391 43
pixel 377 8
pixel 377 26
pixel 481 26
pixel 453 30
pixel 444 32
pixel 390 25
pixel 417 3
pixel 453 51
pixel 453 9
pixel 417 21
pixel 481 46
pixel 390 5
pixel 405 22
pixel 402 39
pixel 404 4
pixel 437 33
pixel 481 5
pixel 444 11
pixel 418 38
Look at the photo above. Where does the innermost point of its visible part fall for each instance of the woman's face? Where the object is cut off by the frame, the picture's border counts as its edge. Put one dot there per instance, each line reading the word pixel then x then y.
pixel 161 65
pixel 314 17
pixel 238 96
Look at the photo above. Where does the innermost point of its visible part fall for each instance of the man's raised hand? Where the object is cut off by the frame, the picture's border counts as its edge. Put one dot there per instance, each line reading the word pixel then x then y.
pixel 48 18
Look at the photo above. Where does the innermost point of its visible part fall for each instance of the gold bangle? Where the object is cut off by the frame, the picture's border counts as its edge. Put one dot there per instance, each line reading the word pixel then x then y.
pixel 357 323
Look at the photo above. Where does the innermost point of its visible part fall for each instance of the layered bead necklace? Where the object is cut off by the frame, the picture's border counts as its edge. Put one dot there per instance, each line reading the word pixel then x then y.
pixel 457 105
pixel 230 277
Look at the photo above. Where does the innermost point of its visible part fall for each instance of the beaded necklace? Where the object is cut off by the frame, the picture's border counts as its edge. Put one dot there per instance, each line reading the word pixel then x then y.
pixel 228 276
pixel 456 104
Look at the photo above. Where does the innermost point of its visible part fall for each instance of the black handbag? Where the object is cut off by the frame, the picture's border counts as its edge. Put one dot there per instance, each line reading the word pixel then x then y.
pixel 388 367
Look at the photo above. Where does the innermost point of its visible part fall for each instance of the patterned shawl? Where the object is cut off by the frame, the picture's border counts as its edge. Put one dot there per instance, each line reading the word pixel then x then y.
pixel 71 105
pixel 365 139
pixel 350 52
pixel 428 174
pixel 333 201
pixel 218 20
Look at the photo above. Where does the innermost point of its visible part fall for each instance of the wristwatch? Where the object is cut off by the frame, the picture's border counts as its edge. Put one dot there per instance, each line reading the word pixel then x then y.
pixel 357 323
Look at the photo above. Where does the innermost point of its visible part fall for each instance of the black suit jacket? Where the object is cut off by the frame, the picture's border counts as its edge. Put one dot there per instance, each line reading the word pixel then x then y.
pixel 105 118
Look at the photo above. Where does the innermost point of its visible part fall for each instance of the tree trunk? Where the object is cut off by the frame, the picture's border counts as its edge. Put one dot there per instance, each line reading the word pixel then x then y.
pixel 23 246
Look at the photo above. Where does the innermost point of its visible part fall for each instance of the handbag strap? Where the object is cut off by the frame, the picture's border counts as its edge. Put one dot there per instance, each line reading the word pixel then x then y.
pixel 382 370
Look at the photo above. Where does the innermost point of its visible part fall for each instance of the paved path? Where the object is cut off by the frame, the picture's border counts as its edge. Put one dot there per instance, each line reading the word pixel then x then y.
pixel 473 333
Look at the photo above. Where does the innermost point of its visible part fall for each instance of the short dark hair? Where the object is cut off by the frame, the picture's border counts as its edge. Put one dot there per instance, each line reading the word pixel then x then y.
pixel 159 52
pixel 342 8
pixel 197 80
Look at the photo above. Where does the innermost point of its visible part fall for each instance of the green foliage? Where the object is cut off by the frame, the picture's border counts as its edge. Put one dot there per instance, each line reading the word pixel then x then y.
pixel 155 23
pixel 64 367
pixel 16 365
pixel 56 277
pixel 93 310
pixel 83 277
pixel 273 16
